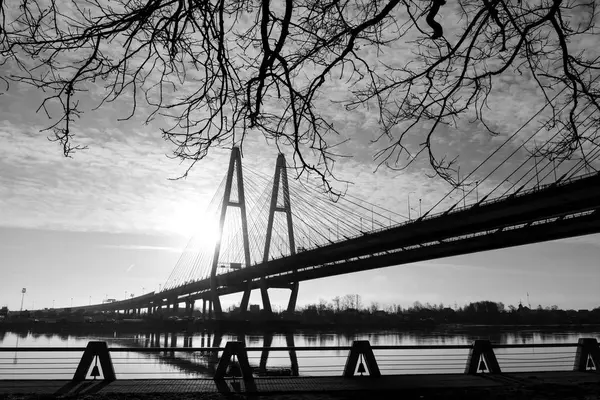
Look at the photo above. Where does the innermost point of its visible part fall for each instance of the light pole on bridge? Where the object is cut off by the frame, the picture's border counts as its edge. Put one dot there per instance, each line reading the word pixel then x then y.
pixel 409 204
pixel 23 291
pixel 461 186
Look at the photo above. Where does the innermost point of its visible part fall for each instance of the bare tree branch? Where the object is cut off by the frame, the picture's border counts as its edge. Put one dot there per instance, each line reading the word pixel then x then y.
pixel 220 70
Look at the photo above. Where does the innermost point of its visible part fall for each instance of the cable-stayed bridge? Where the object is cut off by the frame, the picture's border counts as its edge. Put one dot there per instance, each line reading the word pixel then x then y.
pixel 264 232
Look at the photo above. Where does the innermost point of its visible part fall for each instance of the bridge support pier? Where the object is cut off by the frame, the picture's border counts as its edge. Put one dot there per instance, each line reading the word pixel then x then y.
pixel 234 171
pixel 189 307
pixel 280 178
pixel 264 294
pixel 245 300
pixel 150 310
pixel 175 306
pixel 293 298
pixel 291 307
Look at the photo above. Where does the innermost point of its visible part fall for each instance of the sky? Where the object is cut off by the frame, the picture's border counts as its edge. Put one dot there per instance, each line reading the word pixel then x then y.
pixel 111 221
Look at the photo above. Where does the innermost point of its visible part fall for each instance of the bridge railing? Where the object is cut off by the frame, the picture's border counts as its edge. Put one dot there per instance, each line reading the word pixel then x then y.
pixel 98 361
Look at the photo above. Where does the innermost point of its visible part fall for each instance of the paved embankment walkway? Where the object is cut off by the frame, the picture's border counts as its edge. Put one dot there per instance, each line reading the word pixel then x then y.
pixel 586 384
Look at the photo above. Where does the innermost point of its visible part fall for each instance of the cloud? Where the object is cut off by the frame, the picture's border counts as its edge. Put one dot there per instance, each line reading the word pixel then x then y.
pixel 121 183
pixel 142 247
pixel 118 186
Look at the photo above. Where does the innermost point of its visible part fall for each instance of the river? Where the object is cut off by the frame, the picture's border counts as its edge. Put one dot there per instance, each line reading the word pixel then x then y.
pixel 19 364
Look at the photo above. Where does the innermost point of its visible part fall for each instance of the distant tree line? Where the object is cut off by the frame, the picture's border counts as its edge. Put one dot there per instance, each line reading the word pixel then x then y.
pixel 351 309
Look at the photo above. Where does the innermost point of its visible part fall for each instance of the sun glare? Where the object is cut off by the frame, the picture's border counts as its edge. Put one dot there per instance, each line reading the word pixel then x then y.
pixel 206 233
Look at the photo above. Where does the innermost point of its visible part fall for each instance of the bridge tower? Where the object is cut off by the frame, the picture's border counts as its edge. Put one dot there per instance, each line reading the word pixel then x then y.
pixel 234 171
pixel 280 181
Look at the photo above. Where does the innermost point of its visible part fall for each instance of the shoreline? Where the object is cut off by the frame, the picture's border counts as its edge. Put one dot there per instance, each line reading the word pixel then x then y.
pixel 265 326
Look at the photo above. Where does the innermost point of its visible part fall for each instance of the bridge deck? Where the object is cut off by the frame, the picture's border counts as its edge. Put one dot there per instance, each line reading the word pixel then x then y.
pixel 540 384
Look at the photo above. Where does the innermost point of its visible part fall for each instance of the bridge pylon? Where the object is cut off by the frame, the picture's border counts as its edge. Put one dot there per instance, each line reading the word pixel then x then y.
pixel 280 181
pixel 235 170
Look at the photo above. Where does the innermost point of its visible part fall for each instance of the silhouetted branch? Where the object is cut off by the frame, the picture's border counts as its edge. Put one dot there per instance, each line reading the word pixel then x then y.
pixel 220 70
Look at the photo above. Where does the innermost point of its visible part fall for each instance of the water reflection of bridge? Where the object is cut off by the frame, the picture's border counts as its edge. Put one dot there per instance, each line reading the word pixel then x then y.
pixel 203 360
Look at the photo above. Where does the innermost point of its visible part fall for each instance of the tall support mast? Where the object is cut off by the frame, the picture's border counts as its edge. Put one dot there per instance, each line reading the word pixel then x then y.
pixel 235 165
pixel 280 179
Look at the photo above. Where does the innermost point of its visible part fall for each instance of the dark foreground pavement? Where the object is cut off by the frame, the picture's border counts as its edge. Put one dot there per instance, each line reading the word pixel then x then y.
pixel 537 386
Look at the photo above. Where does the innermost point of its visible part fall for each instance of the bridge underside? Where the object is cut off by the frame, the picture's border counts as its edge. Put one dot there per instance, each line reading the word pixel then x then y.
pixel 557 211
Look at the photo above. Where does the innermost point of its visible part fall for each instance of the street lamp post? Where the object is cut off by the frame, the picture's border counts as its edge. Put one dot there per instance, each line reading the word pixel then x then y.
pixel 409 204
pixel 461 186
pixel 420 209
pixel 71 302
pixel 23 291
pixel 537 178
pixel 477 190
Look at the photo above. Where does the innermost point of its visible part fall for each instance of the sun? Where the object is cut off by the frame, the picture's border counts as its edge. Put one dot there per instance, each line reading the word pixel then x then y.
pixel 200 228
pixel 206 233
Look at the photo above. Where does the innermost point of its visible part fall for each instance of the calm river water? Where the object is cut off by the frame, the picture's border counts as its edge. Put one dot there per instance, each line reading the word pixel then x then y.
pixel 16 363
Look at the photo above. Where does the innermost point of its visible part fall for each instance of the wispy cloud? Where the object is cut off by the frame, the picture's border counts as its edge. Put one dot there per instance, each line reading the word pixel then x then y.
pixel 143 248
